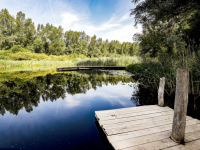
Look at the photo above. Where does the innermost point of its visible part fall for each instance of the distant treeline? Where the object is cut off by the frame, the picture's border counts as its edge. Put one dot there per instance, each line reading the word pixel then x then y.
pixel 20 32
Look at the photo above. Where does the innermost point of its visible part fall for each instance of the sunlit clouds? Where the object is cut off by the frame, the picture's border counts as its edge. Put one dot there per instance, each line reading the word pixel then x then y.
pixel 106 19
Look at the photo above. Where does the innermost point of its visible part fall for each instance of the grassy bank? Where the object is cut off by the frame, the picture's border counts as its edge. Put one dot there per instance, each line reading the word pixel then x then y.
pixel 105 61
pixel 28 64
pixel 109 61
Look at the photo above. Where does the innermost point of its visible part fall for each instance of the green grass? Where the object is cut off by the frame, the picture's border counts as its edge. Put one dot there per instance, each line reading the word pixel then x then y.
pixel 35 64
pixel 30 64
pixel 108 61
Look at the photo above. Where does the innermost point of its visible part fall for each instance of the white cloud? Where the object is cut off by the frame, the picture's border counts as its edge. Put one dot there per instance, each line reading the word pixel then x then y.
pixel 71 102
pixel 116 28
pixel 113 94
pixel 124 18
pixel 76 15
pixel 69 20
pixel 124 33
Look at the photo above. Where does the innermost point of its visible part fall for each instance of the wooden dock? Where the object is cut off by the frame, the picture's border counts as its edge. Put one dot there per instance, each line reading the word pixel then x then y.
pixel 146 128
pixel 91 68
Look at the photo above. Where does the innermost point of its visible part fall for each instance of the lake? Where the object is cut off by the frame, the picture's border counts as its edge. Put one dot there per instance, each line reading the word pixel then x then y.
pixel 50 110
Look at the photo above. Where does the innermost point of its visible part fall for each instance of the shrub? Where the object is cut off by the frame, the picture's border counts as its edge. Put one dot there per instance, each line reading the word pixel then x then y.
pixel 16 48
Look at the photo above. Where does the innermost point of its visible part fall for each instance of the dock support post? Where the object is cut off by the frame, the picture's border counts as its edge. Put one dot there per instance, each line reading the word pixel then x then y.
pixel 180 106
pixel 161 92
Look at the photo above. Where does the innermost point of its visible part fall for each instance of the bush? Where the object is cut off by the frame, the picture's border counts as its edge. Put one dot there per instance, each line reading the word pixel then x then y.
pixel 16 48
pixel 18 56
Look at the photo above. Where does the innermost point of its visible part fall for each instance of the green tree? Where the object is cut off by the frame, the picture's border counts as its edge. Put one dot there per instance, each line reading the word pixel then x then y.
pixel 7 23
pixel 185 12
pixel 38 45
pixel 92 47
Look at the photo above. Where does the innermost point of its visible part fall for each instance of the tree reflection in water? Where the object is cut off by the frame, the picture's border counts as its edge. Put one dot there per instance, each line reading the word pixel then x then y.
pixel 18 90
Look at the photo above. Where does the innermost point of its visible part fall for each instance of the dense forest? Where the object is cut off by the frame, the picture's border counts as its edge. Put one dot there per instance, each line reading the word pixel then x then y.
pixel 20 34
pixel 170 40
pixel 170 27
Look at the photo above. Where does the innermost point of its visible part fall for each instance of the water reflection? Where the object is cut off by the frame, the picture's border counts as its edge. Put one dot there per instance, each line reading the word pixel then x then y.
pixel 50 110
pixel 17 92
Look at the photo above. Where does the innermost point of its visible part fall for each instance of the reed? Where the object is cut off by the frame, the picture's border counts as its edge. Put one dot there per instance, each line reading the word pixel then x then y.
pixel 108 61
pixel 148 72
pixel 29 64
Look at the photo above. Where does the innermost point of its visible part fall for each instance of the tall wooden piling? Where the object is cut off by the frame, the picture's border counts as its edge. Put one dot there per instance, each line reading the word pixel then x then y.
pixel 161 92
pixel 180 106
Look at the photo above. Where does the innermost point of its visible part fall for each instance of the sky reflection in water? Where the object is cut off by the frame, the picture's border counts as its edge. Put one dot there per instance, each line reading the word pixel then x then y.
pixel 67 123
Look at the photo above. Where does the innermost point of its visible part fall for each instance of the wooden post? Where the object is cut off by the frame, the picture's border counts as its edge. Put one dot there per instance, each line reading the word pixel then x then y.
pixel 180 106
pixel 161 92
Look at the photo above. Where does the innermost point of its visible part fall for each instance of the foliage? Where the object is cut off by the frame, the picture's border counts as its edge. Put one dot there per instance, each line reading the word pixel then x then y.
pixel 167 25
pixel 52 40
pixel 148 73
pixel 162 39
pixel 18 48
pixel 108 61
pixel 27 64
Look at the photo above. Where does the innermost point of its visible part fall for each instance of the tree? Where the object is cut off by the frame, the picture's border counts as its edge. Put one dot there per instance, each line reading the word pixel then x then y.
pixel 38 45
pixel 134 49
pixel 152 11
pixel 92 47
pixel 7 23
pixel 29 32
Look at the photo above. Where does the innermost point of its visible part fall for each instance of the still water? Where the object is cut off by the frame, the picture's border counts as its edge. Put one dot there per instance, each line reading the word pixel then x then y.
pixel 50 110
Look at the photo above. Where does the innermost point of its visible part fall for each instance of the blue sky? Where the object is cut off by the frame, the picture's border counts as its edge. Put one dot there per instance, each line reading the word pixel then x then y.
pixel 108 19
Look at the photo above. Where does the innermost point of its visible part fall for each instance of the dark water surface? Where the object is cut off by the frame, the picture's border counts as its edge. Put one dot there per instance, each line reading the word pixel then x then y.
pixel 49 110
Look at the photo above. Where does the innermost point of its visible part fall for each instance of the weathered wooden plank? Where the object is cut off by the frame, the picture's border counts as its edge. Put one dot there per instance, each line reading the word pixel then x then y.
pixel 132 114
pixel 141 121
pixel 148 138
pixel 156 145
pixel 194 145
pixel 165 143
pixel 119 130
pixel 134 109
pixel 144 128
pixel 161 92
pixel 190 125
pixel 92 67
pixel 121 120
pixel 141 140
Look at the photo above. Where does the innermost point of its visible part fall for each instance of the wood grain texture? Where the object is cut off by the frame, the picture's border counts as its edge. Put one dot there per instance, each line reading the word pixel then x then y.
pixel 128 119
pixel 191 125
pixel 146 128
pixel 180 106
pixel 161 92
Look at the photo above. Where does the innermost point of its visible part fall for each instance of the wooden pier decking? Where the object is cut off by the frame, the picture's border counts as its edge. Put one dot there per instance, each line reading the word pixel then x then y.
pixel 146 128
pixel 91 68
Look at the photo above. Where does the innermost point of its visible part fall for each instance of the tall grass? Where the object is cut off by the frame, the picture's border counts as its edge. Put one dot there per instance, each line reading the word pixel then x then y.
pixel 28 64
pixel 108 61
pixel 149 72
